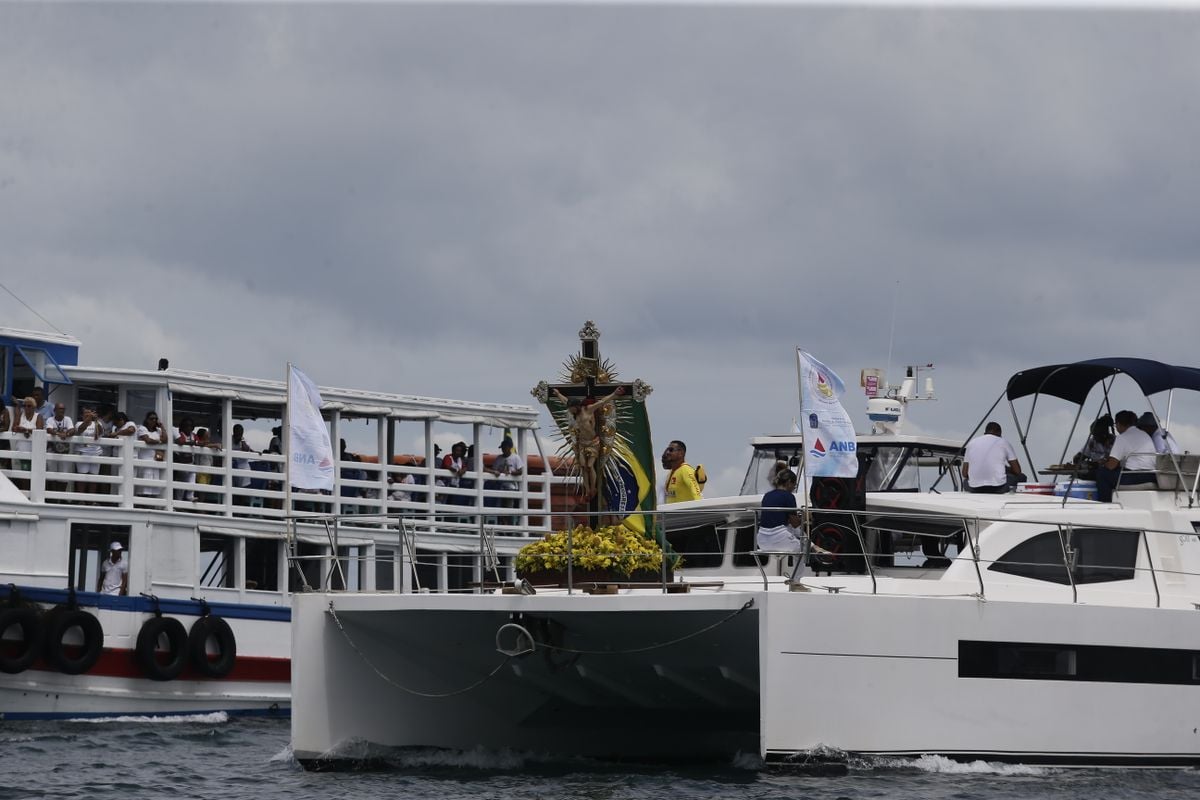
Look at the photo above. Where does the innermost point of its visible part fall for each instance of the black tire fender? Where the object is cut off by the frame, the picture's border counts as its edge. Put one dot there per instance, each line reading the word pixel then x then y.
pixel 147 652
pixel 57 623
pixel 14 657
pixel 217 629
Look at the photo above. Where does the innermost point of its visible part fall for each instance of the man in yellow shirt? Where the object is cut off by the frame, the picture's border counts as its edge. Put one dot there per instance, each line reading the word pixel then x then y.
pixel 681 482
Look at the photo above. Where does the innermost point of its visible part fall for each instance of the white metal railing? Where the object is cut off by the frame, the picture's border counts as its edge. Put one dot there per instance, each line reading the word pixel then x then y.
pixel 176 478
pixel 1148 561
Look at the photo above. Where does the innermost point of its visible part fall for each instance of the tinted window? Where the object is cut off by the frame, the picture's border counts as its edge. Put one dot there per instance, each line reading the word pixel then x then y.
pixel 700 547
pixel 1100 556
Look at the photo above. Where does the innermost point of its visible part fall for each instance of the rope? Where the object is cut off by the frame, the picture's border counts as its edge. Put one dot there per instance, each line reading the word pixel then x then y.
pixel 650 647
pixel 386 679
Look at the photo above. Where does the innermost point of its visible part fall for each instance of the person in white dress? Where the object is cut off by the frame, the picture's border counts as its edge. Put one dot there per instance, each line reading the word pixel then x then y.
pixel 151 432
pixel 89 429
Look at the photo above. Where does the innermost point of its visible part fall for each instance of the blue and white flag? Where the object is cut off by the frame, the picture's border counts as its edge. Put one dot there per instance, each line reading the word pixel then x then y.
pixel 310 453
pixel 831 450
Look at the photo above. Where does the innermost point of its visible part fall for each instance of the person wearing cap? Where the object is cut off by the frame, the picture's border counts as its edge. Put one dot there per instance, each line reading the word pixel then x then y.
pixel 1131 460
pixel 507 467
pixel 114 572
pixel 1164 442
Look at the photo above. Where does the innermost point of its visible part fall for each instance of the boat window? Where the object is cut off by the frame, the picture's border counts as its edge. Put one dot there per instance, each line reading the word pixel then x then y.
pixel 1097 555
pixel 1016 660
pixel 89 545
pixel 460 572
pixel 205 412
pixel 762 467
pixel 309 560
pixel 743 544
pixel 385 569
pixel 701 548
pixel 892 471
pixel 93 395
pixel 349 577
pixel 262 565
pixel 43 365
pixel 217 561
pixel 426 569
pixel 139 403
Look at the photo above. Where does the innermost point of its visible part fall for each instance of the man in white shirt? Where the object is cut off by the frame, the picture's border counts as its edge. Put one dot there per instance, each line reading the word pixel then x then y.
pixel 1163 441
pixel 114 572
pixel 988 460
pixel 507 467
pixel 1131 459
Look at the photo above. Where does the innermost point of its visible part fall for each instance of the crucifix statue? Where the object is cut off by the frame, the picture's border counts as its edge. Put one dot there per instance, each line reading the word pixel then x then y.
pixel 591 409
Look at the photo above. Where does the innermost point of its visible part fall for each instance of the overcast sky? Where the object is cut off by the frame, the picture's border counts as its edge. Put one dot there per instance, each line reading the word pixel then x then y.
pixel 433 199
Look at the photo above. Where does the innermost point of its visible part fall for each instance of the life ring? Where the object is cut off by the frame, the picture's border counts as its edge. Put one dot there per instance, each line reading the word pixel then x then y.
pixel 162 664
pixel 60 654
pixel 218 630
pixel 31 638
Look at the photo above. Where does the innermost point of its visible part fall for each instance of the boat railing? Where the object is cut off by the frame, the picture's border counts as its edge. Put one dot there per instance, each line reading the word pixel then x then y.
pixel 492 568
pixel 130 474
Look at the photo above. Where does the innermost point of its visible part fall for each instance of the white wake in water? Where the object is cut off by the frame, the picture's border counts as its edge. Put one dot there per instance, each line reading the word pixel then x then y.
pixel 215 718
pixel 948 766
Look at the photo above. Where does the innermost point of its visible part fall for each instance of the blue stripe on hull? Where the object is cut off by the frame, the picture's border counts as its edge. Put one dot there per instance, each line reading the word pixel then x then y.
pixel 144 605
pixel 16 716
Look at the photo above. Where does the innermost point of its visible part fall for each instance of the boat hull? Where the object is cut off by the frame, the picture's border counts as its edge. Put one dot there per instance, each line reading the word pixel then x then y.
pixel 794 673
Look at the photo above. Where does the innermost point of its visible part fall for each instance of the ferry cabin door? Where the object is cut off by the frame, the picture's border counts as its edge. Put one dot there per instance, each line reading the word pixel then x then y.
pixel 89 546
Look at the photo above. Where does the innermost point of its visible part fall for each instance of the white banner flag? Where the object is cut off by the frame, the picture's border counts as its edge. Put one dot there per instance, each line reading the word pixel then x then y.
pixel 832 450
pixel 310 457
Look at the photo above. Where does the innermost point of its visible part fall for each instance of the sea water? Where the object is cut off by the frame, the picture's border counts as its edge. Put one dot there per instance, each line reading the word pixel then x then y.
pixel 213 756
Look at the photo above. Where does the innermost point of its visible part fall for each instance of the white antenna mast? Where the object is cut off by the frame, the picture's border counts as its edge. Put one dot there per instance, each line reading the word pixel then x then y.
pixel 891 335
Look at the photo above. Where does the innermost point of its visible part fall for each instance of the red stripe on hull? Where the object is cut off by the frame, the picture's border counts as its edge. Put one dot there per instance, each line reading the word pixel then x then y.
pixel 123 664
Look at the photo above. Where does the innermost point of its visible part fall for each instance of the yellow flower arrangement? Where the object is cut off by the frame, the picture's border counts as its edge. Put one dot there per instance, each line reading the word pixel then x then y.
pixel 613 547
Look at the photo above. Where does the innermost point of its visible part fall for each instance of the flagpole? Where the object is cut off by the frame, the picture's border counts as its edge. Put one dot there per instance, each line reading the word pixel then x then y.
pixel 807 511
pixel 287 446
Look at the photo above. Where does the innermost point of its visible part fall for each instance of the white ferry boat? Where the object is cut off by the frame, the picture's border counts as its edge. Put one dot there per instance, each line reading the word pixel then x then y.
pixel 1063 631
pixel 213 553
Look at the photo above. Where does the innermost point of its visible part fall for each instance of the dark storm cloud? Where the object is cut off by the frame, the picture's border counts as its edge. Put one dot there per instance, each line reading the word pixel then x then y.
pixel 447 192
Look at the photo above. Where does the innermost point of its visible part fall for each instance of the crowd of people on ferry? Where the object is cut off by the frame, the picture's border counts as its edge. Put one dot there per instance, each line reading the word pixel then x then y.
pixel 93 435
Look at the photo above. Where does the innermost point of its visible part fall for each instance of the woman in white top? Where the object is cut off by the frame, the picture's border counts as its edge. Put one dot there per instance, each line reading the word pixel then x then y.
pixel 90 428
pixel 26 421
pixel 150 432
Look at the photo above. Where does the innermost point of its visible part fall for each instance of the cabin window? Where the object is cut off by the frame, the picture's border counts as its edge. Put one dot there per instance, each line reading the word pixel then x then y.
pixel 1097 555
pixel 460 572
pixel 262 565
pixel 350 576
pixel 425 570
pixel 744 543
pixel 217 561
pixel 385 569
pixel 701 548
pixel 306 568
pixel 89 546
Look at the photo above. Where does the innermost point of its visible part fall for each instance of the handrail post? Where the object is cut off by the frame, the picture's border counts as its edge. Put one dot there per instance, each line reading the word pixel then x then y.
pixel 1064 543
pixel 1153 576
pixel 862 546
pixel 974 553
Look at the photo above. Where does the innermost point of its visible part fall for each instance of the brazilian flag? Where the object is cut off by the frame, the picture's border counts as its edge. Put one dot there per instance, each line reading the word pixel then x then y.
pixel 629 479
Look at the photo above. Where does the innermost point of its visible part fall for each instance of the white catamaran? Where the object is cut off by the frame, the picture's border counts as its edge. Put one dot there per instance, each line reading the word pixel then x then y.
pixel 1048 629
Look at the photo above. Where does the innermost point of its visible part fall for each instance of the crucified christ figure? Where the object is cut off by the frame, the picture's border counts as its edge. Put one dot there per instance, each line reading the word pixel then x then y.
pixel 585 421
